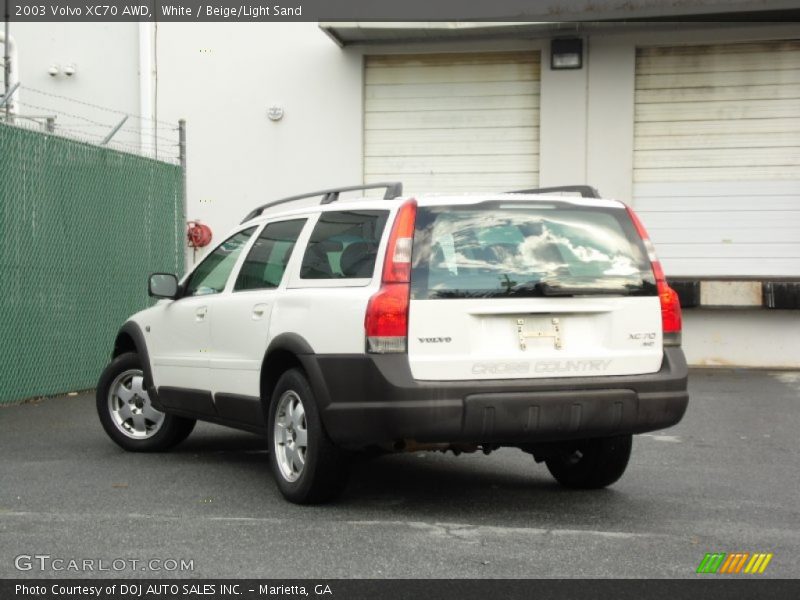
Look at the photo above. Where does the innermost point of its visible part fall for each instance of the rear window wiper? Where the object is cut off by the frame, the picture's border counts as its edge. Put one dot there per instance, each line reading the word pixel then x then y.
pixel 543 288
pixel 466 293
pixel 547 288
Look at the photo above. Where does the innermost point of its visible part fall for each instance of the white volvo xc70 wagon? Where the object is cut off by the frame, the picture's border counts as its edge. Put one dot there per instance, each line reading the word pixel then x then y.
pixel 529 319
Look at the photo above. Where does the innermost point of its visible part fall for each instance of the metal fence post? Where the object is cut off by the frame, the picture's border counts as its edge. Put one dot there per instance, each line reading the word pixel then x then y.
pixel 6 62
pixel 114 131
pixel 182 156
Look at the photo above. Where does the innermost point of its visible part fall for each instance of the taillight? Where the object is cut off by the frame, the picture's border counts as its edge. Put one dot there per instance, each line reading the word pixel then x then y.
pixel 386 321
pixel 670 303
pixel 397 264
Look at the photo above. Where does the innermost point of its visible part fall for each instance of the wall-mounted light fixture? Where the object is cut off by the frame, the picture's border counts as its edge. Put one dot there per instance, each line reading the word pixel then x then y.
pixel 55 69
pixel 275 112
pixel 566 53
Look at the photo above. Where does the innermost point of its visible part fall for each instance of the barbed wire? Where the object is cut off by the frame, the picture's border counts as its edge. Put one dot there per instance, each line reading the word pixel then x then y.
pixel 148 137
pixel 131 137
pixel 55 113
pixel 25 123
pixel 146 150
pixel 124 141
pixel 99 107
pixel 137 131
pixel 84 137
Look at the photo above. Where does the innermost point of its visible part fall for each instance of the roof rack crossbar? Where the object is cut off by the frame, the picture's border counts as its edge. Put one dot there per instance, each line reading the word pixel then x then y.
pixel 586 191
pixel 393 190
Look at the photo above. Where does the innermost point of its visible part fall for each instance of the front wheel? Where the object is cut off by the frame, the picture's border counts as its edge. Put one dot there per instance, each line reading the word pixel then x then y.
pixel 591 464
pixel 128 416
pixel 308 467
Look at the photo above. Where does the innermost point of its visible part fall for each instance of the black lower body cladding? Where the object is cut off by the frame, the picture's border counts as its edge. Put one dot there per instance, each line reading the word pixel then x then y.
pixel 373 399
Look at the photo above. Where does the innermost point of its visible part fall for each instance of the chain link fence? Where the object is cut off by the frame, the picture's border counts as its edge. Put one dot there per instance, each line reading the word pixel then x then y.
pixel 81 227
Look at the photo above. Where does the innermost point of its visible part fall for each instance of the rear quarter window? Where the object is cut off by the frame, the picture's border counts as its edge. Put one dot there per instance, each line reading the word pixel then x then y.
pixel 344 245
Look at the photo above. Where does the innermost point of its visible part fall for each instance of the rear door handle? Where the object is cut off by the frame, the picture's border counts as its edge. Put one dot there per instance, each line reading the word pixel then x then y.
pixel 200 313
pixel 259 310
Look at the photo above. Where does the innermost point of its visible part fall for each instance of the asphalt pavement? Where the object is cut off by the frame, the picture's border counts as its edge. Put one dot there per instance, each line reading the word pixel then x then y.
pixel 726 479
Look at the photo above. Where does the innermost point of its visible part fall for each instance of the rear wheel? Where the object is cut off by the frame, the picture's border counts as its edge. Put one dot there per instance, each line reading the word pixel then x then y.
pixel 308 467
pixel 127 414
pixel 591 464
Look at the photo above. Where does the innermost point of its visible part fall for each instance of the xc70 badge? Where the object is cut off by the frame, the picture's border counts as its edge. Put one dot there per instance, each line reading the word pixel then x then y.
pixel 648 338
pixel 555 333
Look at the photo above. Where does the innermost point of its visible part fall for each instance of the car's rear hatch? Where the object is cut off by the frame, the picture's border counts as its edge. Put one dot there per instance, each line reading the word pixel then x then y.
pixel 531 288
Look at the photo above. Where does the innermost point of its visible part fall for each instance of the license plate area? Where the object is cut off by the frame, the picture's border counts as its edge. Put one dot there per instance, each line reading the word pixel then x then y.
pixel 531 330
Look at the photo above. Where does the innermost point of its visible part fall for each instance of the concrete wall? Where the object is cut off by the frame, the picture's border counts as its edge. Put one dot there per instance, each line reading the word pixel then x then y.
pixel 609 119
pixel 222 78
pixel 740 337
pixel 563 120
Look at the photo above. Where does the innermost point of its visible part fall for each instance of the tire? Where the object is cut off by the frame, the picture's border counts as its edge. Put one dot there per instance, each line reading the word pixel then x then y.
pixel 591 464
pixel 310 474
pixel 126 413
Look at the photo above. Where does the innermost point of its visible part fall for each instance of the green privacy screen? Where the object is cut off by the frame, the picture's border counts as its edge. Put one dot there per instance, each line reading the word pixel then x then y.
pixel 81 227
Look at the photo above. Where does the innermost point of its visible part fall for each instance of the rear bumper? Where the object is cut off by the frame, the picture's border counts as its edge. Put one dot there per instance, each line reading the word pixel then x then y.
pixel 375 400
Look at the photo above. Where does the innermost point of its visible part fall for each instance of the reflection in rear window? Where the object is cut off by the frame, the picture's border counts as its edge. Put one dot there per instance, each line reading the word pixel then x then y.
pixel 503 249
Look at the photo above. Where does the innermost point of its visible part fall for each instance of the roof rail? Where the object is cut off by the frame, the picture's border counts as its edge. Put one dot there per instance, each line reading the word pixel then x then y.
pixel 393 190
pixel 586 191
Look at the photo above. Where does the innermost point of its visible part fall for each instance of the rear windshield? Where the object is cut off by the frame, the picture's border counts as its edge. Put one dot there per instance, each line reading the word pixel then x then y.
pixel 499 249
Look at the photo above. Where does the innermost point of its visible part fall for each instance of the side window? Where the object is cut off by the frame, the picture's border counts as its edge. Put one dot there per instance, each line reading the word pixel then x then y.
pixel 264 266
pixel 210 276
pixel 344 245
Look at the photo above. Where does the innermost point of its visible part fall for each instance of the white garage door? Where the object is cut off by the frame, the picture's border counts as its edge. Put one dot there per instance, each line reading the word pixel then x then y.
pixel 717 157
pixel 453 122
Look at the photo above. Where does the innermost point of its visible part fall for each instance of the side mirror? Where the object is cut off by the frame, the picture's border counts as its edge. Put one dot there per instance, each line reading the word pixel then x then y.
pixel 163 285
